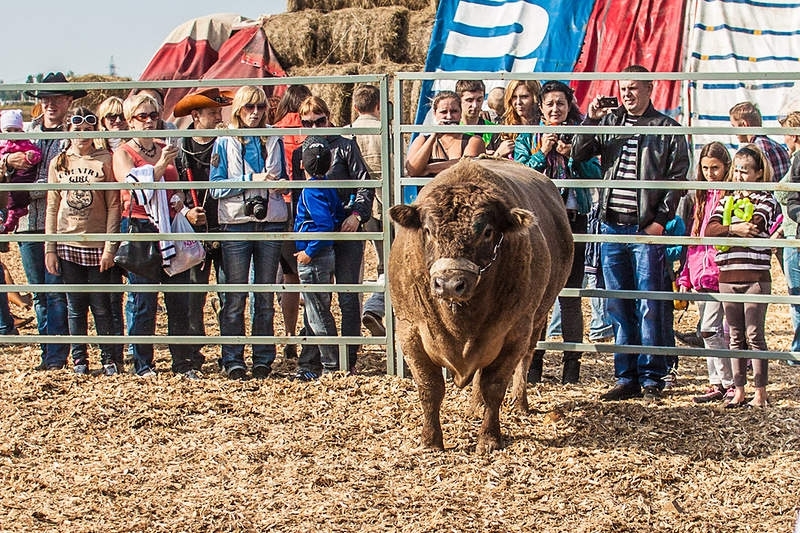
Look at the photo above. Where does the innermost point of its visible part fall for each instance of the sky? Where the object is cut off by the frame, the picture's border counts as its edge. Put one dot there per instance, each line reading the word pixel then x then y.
pixel 83 35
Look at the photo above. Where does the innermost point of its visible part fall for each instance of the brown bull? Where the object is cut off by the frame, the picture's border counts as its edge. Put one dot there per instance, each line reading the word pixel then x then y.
pixel 477 263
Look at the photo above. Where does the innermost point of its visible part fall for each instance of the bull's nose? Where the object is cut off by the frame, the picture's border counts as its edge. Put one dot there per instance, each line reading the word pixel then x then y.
pixel 450 287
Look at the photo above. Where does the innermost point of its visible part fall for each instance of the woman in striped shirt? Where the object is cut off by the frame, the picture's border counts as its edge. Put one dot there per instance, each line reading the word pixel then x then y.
pixel 746 269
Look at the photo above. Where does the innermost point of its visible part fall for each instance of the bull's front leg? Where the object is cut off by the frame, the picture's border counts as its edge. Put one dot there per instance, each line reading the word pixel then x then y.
pixel 430 387
pixel 493 384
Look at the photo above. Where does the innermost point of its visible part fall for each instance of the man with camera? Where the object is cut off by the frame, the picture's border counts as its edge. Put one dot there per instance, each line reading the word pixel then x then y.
pixel 623 211
pixel 193 163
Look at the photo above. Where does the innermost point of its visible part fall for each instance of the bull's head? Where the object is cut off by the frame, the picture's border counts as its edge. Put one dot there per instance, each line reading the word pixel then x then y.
pixel 461 238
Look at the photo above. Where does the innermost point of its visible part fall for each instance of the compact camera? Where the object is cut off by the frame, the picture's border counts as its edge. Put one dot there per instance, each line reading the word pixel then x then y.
pixel 566 138
pixel 256 206
pixel 608 101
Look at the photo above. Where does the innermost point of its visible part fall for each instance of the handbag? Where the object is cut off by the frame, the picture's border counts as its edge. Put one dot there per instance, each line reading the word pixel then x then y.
pixel 188 253
pixel 142 258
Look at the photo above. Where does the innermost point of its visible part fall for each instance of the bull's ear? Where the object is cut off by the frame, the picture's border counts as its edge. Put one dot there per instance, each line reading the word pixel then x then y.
pixel 519 219
pixel 406 216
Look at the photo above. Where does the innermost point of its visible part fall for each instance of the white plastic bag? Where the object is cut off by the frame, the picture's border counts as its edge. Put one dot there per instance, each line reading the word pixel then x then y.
pixel 188 253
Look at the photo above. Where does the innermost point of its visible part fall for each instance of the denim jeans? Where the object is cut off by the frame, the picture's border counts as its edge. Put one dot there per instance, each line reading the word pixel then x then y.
pixel 50 307
pixel 791 269
pixel 143 322
pixel 318 316
pixel 196 301
pixel 6 320
pixel 349 258
pixel 78 305
pixel 600 325
pixel 633 266
pixel 237 258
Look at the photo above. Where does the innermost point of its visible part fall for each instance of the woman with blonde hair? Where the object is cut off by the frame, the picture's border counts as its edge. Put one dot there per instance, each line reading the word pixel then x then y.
pixel 236 160
pixel 111 118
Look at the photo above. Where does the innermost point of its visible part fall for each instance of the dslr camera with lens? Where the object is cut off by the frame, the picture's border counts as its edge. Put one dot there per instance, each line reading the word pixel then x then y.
pixel 256 206
pixel 566 138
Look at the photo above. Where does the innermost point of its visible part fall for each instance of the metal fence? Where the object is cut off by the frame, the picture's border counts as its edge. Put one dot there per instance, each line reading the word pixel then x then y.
pixel 394 135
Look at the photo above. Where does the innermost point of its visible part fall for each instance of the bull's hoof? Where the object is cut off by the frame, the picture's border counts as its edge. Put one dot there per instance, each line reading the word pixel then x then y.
pixel 488 444
pixel 432 441
pixel 431 446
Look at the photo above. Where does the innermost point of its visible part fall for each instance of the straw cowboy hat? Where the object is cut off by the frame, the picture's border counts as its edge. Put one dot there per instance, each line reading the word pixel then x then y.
pixel 57 77
pixel 203 99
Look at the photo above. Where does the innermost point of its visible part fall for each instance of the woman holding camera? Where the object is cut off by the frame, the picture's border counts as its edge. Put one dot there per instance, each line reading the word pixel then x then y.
pixel 236 160
pixel 549 153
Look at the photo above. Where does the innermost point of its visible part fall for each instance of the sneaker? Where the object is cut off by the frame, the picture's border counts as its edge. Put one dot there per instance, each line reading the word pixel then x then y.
pixel 792 362
pixel 110 369
pixel 374 324
pixel 328 371
pixel 621 392
pixel 714 393
pixel 81 369
pixel 261 372
pixel 670 380
pixel 305 375
pixel 191 374
pixel 236 373
pixel 652 395
pixel 147 373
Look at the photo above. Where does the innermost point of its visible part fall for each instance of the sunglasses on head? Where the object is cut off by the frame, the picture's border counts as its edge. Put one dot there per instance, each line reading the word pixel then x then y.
pixel 318 122
pixel 113 117
pixel 257 107
pixel 77 120
pixel 142 117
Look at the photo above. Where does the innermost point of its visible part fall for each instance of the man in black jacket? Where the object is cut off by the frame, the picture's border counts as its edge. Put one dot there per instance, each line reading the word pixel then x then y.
pixel 628 265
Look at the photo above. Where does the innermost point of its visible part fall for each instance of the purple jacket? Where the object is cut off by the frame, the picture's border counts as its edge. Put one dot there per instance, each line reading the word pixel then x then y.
pixel 700 272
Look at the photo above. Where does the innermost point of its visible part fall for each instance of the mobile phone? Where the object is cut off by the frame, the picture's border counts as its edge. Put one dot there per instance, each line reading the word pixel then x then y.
pixel 172 142
pixel 608 101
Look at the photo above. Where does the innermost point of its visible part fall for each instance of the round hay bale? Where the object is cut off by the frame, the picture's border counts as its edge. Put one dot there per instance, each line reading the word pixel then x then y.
pixel 333 5
pixel 420 27
pixel 95 96
pixel 365 36
pixel 338 96
pixel 295 37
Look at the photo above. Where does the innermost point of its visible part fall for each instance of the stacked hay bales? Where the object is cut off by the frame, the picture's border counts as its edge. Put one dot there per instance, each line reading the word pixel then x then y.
pixel 95 96
pixel 351 37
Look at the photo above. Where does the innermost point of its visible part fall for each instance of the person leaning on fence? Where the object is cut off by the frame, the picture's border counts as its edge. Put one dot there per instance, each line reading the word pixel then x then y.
pixel 77 212
pixel 367 103
pixel 318 210
pixel 201 209
pixel 50 307
pixel 747 115
pixel 700 272
pixel 550 154
pixel 791 255
pixel 143 160
pixel 235 160
pixel 630 265
pixel 432 153
pixel 746 269
pixel 346 164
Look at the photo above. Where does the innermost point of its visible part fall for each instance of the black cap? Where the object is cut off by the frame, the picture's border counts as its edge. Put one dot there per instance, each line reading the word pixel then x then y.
pixel 316 156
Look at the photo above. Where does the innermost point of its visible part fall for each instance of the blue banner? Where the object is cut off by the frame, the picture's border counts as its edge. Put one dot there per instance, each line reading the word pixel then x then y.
pixel 505 36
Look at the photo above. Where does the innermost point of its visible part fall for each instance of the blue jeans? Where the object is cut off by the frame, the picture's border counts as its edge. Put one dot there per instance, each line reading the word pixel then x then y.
pixel 237 257
pixel 632 266
pixel 6 320
pixel 50 307
pixel 143 322
pixel 600 325
pixel 78 305
pixel 791 269
pixel 318 316
pixel 349 258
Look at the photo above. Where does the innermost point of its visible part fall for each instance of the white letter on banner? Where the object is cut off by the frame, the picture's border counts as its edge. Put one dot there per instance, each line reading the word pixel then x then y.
pixel 533 19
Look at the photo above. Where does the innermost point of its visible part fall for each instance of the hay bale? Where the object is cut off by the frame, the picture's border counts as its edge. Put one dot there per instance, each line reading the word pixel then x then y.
pixel 295 37
pixel 95 96
pixel 333 5
pixel 420 27
pixel 365 36
pixel 338 96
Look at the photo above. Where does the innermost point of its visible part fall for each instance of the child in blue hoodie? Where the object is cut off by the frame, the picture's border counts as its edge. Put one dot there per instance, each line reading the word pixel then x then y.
pixel 318 210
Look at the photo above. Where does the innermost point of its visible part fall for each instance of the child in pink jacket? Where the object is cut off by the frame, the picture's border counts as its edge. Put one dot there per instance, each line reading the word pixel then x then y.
pixel 10 122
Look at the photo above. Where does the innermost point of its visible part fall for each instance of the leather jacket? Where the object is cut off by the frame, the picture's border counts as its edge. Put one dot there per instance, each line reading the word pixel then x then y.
pixel 659 158
pixel 348 164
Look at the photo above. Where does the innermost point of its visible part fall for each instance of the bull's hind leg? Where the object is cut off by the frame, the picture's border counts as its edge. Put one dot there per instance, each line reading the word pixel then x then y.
pixel 519 387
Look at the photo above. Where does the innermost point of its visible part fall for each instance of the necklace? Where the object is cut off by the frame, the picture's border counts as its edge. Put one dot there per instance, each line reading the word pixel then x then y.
pixel 200 153
pixel 148 152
